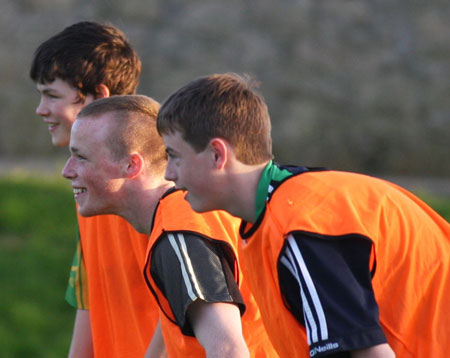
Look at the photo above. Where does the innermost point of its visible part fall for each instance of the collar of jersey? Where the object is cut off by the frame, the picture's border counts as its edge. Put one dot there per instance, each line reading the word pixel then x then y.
pixel 272 172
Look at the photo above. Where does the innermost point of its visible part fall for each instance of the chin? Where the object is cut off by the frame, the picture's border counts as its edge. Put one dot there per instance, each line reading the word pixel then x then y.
pixel 196 205
pixel 59 143
pixel 86 212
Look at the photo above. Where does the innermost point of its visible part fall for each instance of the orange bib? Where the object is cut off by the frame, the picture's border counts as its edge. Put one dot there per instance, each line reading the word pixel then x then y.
pixel 174 214
pixel 411 249
pixel 122 311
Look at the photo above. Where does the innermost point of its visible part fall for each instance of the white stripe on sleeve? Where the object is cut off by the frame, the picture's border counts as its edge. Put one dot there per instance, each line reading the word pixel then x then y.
pixel 184 272
pixel 310 323
pixel 189 265
pixel 310 287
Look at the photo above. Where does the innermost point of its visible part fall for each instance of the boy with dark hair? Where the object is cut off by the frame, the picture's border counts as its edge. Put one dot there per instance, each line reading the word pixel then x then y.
pixel 117 167
pixel 86 55
pixel 341 264
pixel 115 316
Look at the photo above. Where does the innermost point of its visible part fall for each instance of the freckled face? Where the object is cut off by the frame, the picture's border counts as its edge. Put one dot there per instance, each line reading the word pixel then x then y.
pixel 96 178
pixel 59 107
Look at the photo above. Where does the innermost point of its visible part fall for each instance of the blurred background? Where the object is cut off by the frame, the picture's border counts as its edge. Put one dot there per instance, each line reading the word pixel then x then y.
pixel 351 85
pixel 354 85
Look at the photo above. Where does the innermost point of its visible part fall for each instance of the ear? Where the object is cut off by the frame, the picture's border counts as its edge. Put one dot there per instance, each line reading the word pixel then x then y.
pixel 135 165
pixel 102 91
pixel 220 151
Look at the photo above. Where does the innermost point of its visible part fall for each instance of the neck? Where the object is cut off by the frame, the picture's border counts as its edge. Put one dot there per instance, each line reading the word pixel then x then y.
pixel 242 196
pixel 143 203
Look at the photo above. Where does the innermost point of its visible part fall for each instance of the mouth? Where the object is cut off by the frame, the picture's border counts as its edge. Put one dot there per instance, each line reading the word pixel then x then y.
pixel 179 187
pixel 51 126
pixel 78 191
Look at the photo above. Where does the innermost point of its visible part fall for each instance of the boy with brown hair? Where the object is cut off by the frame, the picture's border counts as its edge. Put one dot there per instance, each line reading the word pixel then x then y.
pixel 341 264
pixel 117 167
pixel 115 317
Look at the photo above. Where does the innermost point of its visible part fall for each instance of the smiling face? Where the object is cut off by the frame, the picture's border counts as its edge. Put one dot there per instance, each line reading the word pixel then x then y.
pixel 96 177
pixel 59 107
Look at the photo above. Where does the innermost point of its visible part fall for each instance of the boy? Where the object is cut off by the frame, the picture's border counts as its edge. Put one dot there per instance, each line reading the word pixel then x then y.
pixel 117 167
pixel 340 264
pixel 115 317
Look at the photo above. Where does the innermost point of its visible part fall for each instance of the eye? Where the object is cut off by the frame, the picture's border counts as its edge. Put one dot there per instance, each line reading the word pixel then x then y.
pixel 171 155
pixel 80 157
pixel 50 95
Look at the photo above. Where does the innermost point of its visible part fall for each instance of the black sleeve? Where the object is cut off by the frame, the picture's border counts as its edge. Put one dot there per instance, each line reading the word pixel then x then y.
pixel 327 285
pixel 187 267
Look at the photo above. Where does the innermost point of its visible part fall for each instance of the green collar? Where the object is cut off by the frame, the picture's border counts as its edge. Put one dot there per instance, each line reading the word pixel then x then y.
pixel 272 172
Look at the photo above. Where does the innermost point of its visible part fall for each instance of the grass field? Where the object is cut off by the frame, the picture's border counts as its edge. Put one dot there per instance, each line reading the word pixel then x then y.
pixel 37 242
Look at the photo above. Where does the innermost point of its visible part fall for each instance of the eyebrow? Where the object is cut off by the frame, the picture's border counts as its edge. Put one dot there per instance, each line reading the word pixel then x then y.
pixel 46 90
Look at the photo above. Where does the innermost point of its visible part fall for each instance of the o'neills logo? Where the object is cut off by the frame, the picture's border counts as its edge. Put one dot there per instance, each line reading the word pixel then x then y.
pixel 325 348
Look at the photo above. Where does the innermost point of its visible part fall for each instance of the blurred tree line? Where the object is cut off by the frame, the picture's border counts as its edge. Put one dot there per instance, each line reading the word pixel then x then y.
pixel 353 85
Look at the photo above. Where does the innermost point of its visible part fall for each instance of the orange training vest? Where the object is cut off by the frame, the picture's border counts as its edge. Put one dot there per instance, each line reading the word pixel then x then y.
pixel 174 214
pixel 411 246
pixel 122 311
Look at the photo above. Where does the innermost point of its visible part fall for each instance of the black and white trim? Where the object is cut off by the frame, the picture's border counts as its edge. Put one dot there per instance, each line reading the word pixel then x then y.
pixel 314 316
pixel 180 249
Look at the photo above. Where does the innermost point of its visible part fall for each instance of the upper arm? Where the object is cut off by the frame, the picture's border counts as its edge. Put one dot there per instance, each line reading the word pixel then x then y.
pixel 187 268
pixel 379 351
pixel 81 345
pixel 326 284
pixel 218 329
pixel 157 346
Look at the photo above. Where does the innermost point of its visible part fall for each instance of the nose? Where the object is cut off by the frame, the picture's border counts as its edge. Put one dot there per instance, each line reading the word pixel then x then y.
pixel 170 173
pixel 68 171
pixel 42 109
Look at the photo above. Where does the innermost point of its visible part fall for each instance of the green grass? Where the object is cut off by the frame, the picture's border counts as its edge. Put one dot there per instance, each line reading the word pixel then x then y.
pixel 440 204
pixel 37 242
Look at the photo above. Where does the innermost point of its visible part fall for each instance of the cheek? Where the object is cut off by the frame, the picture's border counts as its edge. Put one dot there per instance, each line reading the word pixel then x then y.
pixel 93 177
pixel 187 172
pixel 107 179
pixel 69 112
pixel 99 189
pixel 68 117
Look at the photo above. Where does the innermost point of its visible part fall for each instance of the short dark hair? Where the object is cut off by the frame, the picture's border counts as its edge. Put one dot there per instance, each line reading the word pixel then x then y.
pixel 221 105
pixel 85 55
pixel 134 128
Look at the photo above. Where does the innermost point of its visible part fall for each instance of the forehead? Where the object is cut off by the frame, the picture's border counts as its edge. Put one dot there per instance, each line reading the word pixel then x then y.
pixel 88 131
pixel 174 141
pixel 57 85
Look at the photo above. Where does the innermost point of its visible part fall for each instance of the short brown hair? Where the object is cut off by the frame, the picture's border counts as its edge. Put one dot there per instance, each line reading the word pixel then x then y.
pixel 85 55
pixel 221 105
pixel 135 126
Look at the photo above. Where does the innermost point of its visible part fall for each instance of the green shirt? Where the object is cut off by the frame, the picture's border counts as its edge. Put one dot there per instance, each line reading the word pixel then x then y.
pixel 77 290
pixel 272 172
